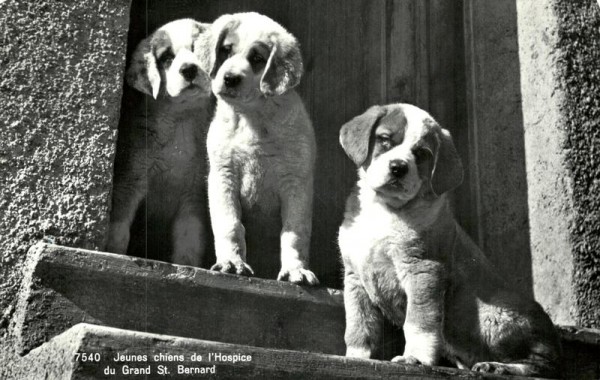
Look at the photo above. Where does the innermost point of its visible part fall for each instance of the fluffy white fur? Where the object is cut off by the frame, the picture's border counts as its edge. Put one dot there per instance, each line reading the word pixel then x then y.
pixel 261 144
pixel 407 260
pixel 161 148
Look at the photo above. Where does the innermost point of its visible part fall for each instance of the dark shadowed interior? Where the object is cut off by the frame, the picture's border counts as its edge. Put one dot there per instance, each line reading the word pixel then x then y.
pixel 356 53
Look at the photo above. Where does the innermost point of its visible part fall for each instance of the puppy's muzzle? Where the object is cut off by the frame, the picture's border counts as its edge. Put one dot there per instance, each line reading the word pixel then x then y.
pixel 398 168
pixel 232 80
pixel 189 71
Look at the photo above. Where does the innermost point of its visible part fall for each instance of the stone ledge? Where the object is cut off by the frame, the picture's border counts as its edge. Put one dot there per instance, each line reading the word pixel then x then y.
pixel 579 335
pixel 56 359
pixel 65 286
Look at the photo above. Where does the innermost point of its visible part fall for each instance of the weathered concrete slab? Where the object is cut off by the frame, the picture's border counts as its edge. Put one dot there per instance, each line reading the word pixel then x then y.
pixel 58 359
pixel 65 286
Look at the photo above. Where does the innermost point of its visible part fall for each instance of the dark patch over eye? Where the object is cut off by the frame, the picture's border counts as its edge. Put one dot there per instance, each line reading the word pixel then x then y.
pixel 225 50
pixel 421 154
pixel 257 60
pixel 384 141
pixel 166 58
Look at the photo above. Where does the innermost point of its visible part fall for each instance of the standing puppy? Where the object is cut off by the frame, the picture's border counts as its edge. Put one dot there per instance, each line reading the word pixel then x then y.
pixel 161 155
pixel 406 258
pixel 261 144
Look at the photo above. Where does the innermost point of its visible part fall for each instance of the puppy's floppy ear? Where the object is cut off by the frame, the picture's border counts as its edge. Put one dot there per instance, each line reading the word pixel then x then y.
pixel 447 172
pixel 355 134
pixel 142 73
pixel 284 67
pixel 213 58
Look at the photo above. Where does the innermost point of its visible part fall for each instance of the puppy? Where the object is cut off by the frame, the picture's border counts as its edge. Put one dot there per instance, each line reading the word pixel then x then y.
pixel 406 258
pixel 161 155
pixel 261 144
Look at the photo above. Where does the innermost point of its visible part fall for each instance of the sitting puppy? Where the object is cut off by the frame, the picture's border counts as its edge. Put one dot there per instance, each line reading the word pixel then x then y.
pixel 406 258
pixel 261 146
pixel 161 154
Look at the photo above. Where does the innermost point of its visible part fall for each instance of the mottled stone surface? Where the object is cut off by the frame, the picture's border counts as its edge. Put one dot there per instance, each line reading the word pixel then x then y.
pixel 550 191
pixel 579 72
pixel 61 75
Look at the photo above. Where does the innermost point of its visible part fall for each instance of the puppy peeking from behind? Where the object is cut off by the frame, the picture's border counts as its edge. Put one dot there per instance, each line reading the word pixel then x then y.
pixel 261 148
pixel 406 259
pixel 161 150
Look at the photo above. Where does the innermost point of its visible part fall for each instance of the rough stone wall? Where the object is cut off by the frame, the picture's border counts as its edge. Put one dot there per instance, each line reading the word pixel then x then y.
pixel 61 75
pixel 549 186
pixel 559 43
pixel 579 68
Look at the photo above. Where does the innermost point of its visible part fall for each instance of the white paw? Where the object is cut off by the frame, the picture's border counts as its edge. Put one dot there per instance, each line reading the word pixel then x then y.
pixel 237 267
pixel 358 352
pixel 491 367
pixel 406 360
pixel 298 276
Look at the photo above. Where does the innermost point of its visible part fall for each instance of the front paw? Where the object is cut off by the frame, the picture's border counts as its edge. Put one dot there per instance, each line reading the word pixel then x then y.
pixel 237 267
pixel 410 360
pixel 358 352
pixel 298 276
pixel 491 367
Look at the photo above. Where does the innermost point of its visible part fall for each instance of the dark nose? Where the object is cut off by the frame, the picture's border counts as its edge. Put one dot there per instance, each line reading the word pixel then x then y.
pixel 398 168
pixel 232 80
pixel 189 72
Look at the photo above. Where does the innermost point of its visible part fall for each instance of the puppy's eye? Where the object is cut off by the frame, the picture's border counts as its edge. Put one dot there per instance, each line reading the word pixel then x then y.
pixel 166 58
pixel 420 154
pixel 257 59
pixel 225 49
pixel 384 141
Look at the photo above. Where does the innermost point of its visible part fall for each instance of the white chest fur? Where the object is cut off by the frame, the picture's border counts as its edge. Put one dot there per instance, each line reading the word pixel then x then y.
pixel 262 152
pixel 374 243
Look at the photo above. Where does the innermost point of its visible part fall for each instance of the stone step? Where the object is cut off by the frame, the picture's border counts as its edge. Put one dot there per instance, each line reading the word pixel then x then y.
pixel 86 351
pixel 65 286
